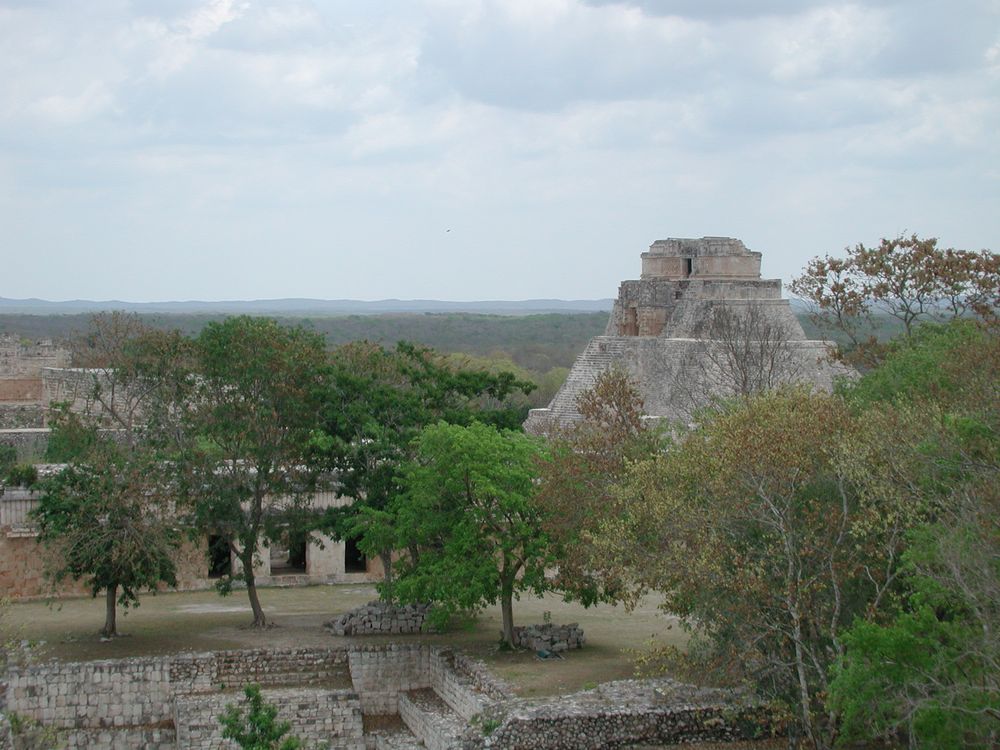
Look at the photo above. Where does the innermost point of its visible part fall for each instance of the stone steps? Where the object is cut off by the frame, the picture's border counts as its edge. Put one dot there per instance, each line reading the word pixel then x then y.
pixel 388 732
pixel 431 719
pixel 398 740
pixel 601 354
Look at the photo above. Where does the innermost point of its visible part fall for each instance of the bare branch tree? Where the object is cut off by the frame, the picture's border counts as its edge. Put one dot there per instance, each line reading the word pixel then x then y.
pixel 744 350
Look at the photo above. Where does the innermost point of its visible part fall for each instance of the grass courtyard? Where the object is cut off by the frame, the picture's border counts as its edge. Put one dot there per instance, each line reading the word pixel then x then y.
pixel 204 621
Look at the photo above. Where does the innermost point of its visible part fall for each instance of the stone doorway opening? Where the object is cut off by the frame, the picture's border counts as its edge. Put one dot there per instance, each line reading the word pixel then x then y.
pixel 219 557
pixel 355 560
pixel 288 555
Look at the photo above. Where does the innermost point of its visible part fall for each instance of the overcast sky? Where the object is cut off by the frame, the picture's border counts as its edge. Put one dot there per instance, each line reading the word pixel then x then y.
pixel 478 149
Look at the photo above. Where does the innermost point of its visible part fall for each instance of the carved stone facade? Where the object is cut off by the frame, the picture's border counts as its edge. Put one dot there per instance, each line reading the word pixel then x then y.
pixel 199 563
pixel 22 397
pixel 663 330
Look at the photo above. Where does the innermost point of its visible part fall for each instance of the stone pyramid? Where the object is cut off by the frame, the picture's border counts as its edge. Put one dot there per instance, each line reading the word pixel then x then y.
pixel 699 323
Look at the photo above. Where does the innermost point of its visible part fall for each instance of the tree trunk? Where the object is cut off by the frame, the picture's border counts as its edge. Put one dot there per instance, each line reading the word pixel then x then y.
pixel 386 558
pixel 507 612
pixel 259 620
pixel 110 612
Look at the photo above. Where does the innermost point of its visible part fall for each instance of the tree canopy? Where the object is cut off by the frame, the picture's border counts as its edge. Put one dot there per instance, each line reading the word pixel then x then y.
pixel 377 402
pixel 250 415
pixel 469 521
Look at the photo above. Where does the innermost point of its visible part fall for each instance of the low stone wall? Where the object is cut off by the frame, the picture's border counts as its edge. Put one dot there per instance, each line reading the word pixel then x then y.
pixel 380 673
pixel 320 718
pixel 30 442
pixel 278 668
pixel 6 736
pixel 152 738
pixel 550 637
pixel 465 685
pixel 430 719
pixel 162 702
pixel 621 714
pixel 139 692
pixel 381 618
pixel 17 416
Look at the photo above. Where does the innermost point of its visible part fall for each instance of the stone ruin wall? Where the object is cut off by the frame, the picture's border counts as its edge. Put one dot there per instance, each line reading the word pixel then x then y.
pixel 171 701
pixel 23 561
pixel 174 701
pixel 20 358
pixel 22 397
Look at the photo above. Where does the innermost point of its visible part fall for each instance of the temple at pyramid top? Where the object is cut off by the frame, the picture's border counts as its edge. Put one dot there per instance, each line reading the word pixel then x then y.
pixel 664 330
pixel 708 258
pixel 676 271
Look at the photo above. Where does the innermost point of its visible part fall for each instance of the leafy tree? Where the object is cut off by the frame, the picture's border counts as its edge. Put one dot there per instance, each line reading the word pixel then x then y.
pixel 578 477
pixel 907 278
pixel 258 728
pixel 249 418
pixel 70 438
pixel 469 517
pixel 932 674
pixel 108 524
pixel 927 671
pixel 108 517
pixel 768 529
pixel 952 365
pixel 132 369
pixel 378 401
pixel 8 458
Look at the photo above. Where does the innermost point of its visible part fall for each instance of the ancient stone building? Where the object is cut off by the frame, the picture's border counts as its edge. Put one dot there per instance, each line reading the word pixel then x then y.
pixel 22 397
pixel 699 323
pixel 311 560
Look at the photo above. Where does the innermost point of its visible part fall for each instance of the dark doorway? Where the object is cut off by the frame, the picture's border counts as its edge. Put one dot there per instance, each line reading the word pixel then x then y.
pixel 688 266
pixel 219 560
pixel 354 559
pixel 288 554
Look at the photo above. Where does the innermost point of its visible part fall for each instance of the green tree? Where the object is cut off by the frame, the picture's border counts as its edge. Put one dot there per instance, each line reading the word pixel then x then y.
pixel 931 675
pixel 109 518
pixel 258 728
pixel 469 517
pixel 250 418
pixel 768 529
pixel 106 522
pixel 928 670
pixel 378 401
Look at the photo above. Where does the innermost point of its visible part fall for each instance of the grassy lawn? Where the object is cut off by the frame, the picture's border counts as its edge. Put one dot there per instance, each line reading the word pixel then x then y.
pixel 203 621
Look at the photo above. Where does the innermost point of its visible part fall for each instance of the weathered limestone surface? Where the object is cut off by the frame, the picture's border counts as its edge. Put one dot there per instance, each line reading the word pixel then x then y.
pixel 445 699
pixel 159 701
pixel 381 618
pixel 29 442
pixel 549 637
pixel 327 719
pixel 658 330
pixel 430 719
pixel 20 358
pixel 16 416
pixel 620 714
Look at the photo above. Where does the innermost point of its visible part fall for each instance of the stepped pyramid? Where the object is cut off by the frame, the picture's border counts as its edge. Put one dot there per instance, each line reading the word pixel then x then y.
pixel 679 330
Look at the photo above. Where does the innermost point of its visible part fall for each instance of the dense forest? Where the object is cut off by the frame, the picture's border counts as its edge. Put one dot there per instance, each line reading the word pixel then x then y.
pixel 537 343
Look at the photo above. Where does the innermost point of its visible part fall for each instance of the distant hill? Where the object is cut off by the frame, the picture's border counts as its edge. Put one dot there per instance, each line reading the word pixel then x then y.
pixel 304 307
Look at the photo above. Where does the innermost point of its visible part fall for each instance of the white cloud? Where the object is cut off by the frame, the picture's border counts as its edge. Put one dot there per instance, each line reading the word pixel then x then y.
pixel 557 136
